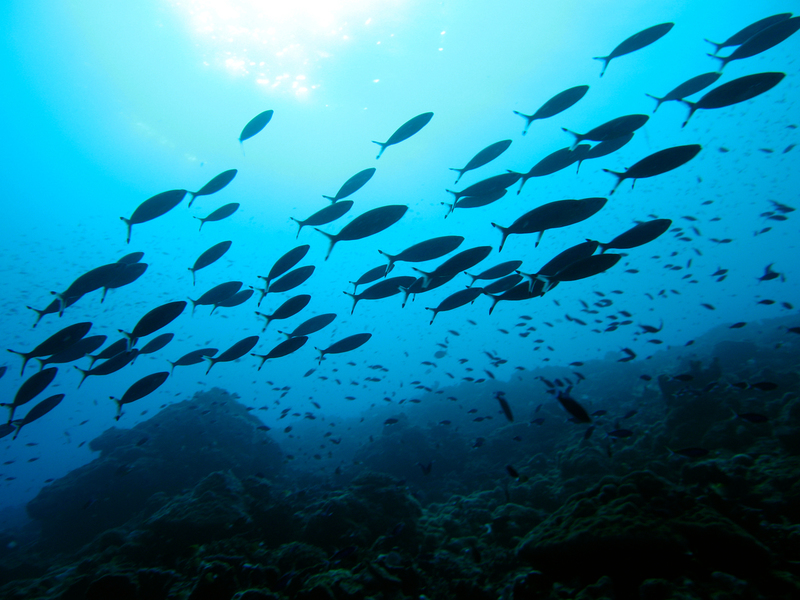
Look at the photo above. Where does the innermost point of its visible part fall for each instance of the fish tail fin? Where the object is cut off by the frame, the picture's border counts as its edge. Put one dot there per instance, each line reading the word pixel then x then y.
pixel 331 239
pixel 202 222
pixel 578 138
pixel 426 277
pixel 658 101
pixel 383 147
pixel 405 293
pixel 321 355
pixel 25 359
pixel 474 279
pixel 129 225
pixel 171 368
pixel 460 174
pixel 528 118
pixel 578 170
pixel 435 312
pixel 119 407
pixel 495 300
pixel 717 47
pixel 39 313
pixel 504 232
pixel 539 239
pixel 454 194
pixel 548 284
pixel 619 176
pixel 194 282
pixel 692 107
pixel 722 59
pixel 84 375
pixel 18 425
pixel 130 339
pixel 452 208
pixel 355 300
pixel 192 196
pixel 331 198
pixel 211 363
pixel 194 305
pixel 606 60
pixel 299 227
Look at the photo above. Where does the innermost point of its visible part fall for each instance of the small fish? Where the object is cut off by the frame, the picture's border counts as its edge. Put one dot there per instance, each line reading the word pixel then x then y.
pixel 390 421
pixel 635 42
pixel 573 407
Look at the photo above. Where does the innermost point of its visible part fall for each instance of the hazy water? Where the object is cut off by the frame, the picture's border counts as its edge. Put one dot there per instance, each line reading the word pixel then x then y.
pixel 105 105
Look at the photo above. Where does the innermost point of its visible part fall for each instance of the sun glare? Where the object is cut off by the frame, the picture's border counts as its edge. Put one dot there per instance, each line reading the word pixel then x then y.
pixel 280 45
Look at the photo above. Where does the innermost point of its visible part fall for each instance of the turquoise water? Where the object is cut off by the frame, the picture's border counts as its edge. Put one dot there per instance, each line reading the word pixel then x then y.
pixel 105 106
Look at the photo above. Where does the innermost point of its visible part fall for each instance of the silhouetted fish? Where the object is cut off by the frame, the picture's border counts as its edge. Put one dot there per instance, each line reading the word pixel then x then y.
pixel 506 409
pixel 255 125
pixel 502 285
pixel 382 289
pixel 483 157
pixel 489 186
pixel 577 411
pixel 154 320
pixel 52 308
pixel 427 250
pixel 37 412
pixel 112 365
pixel 74 352
pixel 291 280
pixel 366 224
pixel 687 88
pixel 223 212
pixel 59 341
pixel 31 387
pixel 762 41
pixel 456 300
pixel 558 103
pixel 288 309
pixel 145 386
pixel 194 357
pixel 735 91
pixel 109 351
pixel 345 345
pixel 324 216
pixel 351 186
pixel 497 271
pixel 153 207
pixel 475 201
pixel 454 265
pixel 581 269
pixel 554 162
pixel 369 277
pixel 638 235
pixel 741 36
pixel 312 325
pixel 562 260
pixel 636 42
pixel 285 348
pixel 604 148
pixel 238 350
pixel 209 257
pixel 131 258
pixel 657 163
pixel 90 281
pixel 610 130
pixel 157 343
pixel 216 294
pixel 213 186
pixel 123 277
pixel 405 131
pixel 286 262
pixel 552 215
pixel 238 298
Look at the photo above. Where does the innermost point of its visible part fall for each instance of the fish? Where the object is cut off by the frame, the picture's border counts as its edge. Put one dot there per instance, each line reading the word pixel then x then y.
pixel 687 88
pixel 369 277
pixel 255 125
pixel 216 294
pixel 123 277
pixel 324 216
pixel 351 186
pixel 157 343
pixel 90 281
pixel 312 325
pixel 762 41
pixel 58 342
pixel 424 251
pixel 37 412
pixel 209 257
pixel 505 407
pixel 455 300
pixel 454 265
pixel 285 348
pixel 391 421
pixel 291 280
pixel 571 405
pixel 615 128
pixel 110 351
pixel 72 353
pixel 735 91
pixel 382 289
pixel 143 387
pixel 560 261
pixel 521 291
pixel 131 258
pixel 213 186
pixel 483 157
pixel 475 201
pixel 236 299
pixel 580 269
pixel 366 224
pixel 159 317
pixel 194 357
pixel 636 42
pixel 555 105
pixel 238 350
pixel 638 235
pixel 223 212
pixel 31 387
pixel 502 285
pixel 657 163
pixel 738 325
pixel 741 36
pixel 552 215
pixel 54 307
pixel 553 162
pixel 109 366
pixel 345 345
pixel 152 208
pixel 486 187
pixel 604 148
pixel 289 308
pixel 496 272
pixel 405 131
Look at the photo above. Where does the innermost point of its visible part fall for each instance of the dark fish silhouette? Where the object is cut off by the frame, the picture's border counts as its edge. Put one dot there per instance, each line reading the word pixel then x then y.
pixel 427 250
pixel 741 36
pixel 283 349
pixel 194 357
pixel 288 309
pixel 502 285
pixel 557 104
pixel 32 387
pixel 112 365
pixel 74 352
pixel 132 258
pixel 110 351
pixel 581 269
pixel 52 308
pixel 687 88
pixel 483 157
pixel 59 341
pixel 345 345
pixel 638 235
pixel 636 42
pixel 238 350
pixel 369 277
pixel 123 277
pixel 520 291
pixel 657 163
pixel 38 411
pixel 255 125
pixel 735 91
pixel 90 281
pixel 154 320
pixel 238 298
pixel 466 259
pixel 475 201
pixel 405 131
pixel 604 148
pixel 762 41
pixel 312 325
pixel 489 186
pixel 456 300
pixel 497 271
pixel 157 343
pixel 145 386
pixel 291 280
pixel 209 257
pixel 366 224
pixel 216 294
pixel 351 186
pixel 213 186
pixel 223 212
pixel 561 261
pixel 153 207
pixel 286 262
pixel 324 216
pixel 552 215
pixel 554 162
pixel 382 289
pixel 577 411
pixel 506 410
pixel 610 130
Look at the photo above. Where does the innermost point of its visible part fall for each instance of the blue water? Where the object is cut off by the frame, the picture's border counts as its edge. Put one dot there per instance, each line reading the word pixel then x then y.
pixel 106 104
